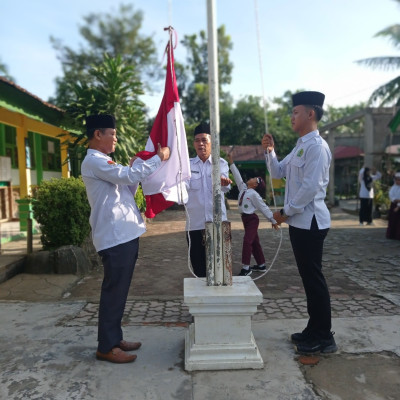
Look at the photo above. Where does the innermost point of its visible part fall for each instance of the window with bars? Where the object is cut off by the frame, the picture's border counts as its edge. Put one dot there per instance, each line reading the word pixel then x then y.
pixel 31 141
pixel 10 145
pixel 50 149
pixel 51 154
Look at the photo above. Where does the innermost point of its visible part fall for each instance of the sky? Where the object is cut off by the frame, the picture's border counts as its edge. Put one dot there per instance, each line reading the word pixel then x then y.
pixel 307 44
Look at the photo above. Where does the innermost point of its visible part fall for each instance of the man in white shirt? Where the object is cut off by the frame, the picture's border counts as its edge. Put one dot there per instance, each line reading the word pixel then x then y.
pixel 306 169
pixel 200 201
pixel 116 226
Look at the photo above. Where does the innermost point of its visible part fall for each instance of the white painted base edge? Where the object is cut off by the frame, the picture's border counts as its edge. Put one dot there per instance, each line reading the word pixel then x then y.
pixel 208 357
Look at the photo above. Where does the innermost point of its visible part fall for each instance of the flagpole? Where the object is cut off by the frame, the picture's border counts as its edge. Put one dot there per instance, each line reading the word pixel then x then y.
pixel 215 149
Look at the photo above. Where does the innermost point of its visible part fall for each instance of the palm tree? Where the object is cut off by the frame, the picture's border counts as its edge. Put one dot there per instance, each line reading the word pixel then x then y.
pixel 389 93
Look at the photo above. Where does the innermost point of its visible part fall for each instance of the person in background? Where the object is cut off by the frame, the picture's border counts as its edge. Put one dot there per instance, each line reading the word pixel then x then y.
pixel 116 226
pixel 393 229
pixel 366 177
pixel 249 201
pixel 306 169
pixel 200 202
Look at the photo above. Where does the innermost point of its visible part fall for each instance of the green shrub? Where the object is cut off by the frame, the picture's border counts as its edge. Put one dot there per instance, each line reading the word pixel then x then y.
pixel 62 209
pixel 140 199
pixel 381 196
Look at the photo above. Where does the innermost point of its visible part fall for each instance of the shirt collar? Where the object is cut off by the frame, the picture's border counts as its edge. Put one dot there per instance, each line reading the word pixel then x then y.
pixel 309 136
pixel 98 153
pixel 197 159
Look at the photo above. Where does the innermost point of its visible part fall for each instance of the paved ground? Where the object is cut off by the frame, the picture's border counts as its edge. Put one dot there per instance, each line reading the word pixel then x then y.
pixel 48 330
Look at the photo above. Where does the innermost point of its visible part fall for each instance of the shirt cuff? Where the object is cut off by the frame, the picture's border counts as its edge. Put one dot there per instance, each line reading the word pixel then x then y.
pixel 272 153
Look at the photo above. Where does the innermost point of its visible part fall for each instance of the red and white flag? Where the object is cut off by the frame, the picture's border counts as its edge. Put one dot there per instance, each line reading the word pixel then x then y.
pixel 166 186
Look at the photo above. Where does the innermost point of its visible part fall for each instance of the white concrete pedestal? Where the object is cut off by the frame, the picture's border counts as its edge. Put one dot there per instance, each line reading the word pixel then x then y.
pixel 221 337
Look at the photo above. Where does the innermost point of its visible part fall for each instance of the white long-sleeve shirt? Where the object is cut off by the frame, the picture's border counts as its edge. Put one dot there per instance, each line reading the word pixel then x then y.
pixel 306 169
pixel 364 192
pixel 394 193
pixel 110 188
pixel 199 187
pixel 251 201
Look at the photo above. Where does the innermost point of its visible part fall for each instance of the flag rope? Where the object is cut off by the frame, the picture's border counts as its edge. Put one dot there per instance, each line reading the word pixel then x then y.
pixel 266 131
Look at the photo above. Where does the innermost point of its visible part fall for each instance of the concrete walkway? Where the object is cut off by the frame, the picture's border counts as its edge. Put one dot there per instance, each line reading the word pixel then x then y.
pixel 48 325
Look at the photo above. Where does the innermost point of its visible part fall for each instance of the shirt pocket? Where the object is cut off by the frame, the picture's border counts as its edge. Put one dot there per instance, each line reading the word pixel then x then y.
pixel 297 168
pixel 195 181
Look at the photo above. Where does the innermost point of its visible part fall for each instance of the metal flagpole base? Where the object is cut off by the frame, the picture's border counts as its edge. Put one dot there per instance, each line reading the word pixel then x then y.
pixel 221 337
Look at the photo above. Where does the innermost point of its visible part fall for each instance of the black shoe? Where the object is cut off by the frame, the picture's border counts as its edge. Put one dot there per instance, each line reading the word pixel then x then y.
pixel 317 346
pixel 258 268
pixel 300 337
pixel 245 272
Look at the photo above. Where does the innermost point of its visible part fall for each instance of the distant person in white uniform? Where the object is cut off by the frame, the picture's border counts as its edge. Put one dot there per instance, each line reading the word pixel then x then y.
pixel 366 178
pixel 200 201
pixel 116 226
pixel 306 169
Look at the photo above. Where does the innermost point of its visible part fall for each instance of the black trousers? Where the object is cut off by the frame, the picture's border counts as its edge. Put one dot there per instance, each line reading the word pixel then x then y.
pixel 308 248
pixel 365 210
pixel 197 251
pixel 119 263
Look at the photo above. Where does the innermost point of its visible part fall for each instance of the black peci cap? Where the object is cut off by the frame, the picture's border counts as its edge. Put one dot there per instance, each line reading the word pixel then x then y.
pixel 308 99
pixel 202 128
pixel 100 121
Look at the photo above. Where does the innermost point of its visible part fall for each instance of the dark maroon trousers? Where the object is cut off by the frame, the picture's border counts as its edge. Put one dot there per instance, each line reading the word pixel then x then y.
pixel 251 241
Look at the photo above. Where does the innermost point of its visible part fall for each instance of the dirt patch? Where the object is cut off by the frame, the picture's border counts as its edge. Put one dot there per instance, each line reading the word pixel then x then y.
pixel 373 376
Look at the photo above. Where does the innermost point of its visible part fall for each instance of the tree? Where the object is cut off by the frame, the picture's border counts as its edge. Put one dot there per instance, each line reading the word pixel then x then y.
pixel 279 124
pixel 389 93
pixel 114 89
pixel 4 71
pixel 114 34
pixel 243 124
pixel 194 94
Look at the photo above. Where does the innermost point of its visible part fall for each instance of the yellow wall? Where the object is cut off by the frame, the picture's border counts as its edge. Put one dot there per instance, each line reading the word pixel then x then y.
pixel 23 125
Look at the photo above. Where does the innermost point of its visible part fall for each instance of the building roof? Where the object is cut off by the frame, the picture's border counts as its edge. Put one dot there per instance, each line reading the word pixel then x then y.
pixel 347 152
pixel 248 153
pixel 393 149
pixel 17 99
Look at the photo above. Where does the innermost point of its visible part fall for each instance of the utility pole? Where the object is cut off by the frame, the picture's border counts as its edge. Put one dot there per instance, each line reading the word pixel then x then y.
pixel 215 267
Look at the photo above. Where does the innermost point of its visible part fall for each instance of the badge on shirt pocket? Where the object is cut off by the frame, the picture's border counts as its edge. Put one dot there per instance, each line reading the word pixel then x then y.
pixel 300 153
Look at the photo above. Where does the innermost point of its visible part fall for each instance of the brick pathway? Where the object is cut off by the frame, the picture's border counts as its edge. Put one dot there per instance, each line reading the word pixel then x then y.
pixel 361 266
pixel 174 312
pixel 362 269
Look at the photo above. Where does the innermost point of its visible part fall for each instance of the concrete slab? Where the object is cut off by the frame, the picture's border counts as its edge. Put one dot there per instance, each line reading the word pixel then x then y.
pixel 37 287
pixel 47 348
pixel 374 376
pixel 42 358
